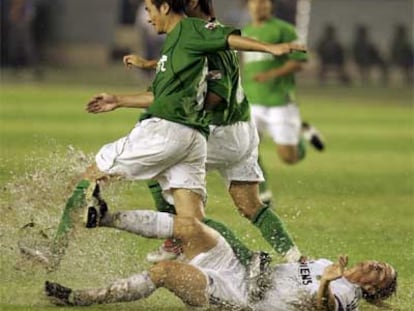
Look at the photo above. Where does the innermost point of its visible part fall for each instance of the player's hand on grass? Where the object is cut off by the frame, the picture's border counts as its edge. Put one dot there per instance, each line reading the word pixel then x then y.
pixel 102 103
pixel 134 60
pixel 336 270
pixel 286 48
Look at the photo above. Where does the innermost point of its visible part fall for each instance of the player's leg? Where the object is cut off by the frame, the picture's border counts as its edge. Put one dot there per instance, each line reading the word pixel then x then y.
pixel 284 125
pixel 86 192
pixel 185 281
pixel 291 154
pixel 132 288
pixel 246 198
pixel 171 248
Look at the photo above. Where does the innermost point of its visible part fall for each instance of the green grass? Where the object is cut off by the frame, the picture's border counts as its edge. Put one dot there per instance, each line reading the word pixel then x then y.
pixel 356 198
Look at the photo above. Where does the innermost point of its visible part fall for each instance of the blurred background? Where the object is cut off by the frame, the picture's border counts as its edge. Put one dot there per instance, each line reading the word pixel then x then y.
pixel 355 198
pixel 351 41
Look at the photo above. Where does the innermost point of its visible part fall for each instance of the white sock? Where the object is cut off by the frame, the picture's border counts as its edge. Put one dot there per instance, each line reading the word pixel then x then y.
pixel 145 223
pixel 133 288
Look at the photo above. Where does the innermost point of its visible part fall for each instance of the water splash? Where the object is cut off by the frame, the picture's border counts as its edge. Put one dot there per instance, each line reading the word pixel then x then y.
pixel 31 205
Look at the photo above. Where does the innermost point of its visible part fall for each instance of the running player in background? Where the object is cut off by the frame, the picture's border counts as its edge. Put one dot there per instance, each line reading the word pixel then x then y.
pixel 269 83
pixel 232 149
pixel 214 277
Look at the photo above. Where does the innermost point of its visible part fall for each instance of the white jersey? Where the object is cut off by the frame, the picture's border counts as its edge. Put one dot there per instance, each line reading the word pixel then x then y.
pixel 295 285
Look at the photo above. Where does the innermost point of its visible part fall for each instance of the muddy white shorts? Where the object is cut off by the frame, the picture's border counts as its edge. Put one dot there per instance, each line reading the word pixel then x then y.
pixel 225 276
pixel 169 152
pixel 283 123
pixel 233 151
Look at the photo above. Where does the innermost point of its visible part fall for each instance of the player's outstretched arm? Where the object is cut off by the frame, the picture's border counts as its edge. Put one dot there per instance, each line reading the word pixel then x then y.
pixel 108 102
pixel 291 66
pixel 241 43
pixel 134 60
pixel 325 298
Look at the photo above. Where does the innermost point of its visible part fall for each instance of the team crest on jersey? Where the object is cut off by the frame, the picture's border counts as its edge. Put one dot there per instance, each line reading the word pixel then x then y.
pixel 161 64
pixel 211 25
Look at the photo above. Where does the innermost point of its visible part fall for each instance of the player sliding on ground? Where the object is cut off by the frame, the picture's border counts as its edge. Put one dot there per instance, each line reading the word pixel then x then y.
pixel 213 276
pixel 232 148
pixel 169 142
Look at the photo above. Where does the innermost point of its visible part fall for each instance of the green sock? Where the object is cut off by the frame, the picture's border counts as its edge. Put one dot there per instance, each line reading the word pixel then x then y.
pixel 273 230
pixel 76 201
pixel 302 148
pixel 242 252
pixel 160 203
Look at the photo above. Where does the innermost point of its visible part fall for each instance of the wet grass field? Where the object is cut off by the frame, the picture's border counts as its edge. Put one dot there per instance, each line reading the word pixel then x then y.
pixel 356 198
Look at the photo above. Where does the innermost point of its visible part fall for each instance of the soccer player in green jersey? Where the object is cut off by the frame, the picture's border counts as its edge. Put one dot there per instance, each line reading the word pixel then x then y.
pixel 232 149
pixel 169 142
pixel 269 83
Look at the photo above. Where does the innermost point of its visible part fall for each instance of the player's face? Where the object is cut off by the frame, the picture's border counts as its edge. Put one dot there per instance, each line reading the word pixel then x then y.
pixel 156 17
pixel 372 275
pixel 260 10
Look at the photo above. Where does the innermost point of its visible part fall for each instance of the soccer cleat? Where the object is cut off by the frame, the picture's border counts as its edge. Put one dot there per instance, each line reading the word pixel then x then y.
pixel 170 250
pixel 313 136
pixel 94 214
pixel 258 276
pixel 97 208
pixel 59 294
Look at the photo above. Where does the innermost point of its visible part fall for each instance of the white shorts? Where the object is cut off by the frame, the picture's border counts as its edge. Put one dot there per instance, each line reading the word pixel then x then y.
pixel 233 151
pixel 283 123
pixel 169 152
pixel 225 276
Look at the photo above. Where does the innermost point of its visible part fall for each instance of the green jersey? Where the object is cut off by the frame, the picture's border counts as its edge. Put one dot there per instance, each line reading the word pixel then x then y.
pixel 224 80
pixel 278 91
pixel 180 83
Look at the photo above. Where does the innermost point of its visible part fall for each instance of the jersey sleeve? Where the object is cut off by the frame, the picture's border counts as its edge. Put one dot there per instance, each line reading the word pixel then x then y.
pixel 346 297
pixel 202 37
pixel 290 35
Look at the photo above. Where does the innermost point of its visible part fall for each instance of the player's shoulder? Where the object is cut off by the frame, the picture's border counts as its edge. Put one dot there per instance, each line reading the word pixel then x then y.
pixel 274 21
pixel 200 23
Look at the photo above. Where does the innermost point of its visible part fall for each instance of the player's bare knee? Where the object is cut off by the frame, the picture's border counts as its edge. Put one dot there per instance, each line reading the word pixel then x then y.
pixel 160 272
pixel 288 154
pixel 186 227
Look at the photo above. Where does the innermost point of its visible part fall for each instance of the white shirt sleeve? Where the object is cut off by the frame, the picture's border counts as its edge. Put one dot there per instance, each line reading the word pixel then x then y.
pixel 347 295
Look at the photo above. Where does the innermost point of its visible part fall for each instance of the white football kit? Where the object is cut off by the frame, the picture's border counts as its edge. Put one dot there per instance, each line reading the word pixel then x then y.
pixel 295 285
pixel 232 150
pixel 283 123
pixel 169 152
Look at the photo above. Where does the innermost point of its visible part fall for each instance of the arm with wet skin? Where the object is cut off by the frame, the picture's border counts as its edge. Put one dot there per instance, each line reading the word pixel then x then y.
pixel 108 102
pixel 241 43
pixel 325 299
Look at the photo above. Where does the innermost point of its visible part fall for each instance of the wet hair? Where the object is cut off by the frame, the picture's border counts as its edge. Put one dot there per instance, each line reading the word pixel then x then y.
pixel 383 293
pixel 177 6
